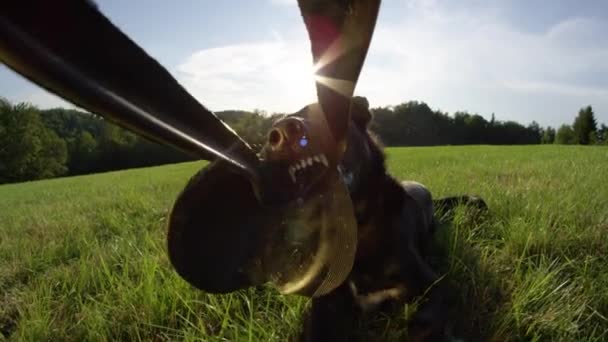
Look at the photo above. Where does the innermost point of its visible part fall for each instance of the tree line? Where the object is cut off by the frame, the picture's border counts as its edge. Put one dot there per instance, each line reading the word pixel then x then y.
pixel 584 130
pixel 416 124
pixel 37 144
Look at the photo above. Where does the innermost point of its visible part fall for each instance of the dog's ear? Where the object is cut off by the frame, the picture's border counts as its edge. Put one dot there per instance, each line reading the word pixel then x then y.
pixel 359 112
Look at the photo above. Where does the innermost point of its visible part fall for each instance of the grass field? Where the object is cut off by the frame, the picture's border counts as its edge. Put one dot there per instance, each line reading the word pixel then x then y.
pixel 84 258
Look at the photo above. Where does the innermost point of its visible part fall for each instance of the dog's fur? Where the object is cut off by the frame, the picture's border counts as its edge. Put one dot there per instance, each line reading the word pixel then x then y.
pixel 395 223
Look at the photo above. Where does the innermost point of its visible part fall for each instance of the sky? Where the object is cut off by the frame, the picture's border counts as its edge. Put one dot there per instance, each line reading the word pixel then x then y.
pixel 522 60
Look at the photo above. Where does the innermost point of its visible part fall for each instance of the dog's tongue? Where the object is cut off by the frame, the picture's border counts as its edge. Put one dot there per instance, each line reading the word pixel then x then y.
pixel 222 239
pixel 311 251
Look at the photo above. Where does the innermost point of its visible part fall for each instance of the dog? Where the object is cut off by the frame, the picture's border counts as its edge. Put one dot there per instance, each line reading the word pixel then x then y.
pixel 395 222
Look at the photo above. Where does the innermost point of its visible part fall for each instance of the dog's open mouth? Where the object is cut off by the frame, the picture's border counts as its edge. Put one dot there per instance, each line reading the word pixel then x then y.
pixel 306 168
pixel 307 173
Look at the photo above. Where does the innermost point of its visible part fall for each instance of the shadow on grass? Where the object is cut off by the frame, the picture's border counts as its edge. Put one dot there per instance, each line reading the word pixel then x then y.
pixel 474 293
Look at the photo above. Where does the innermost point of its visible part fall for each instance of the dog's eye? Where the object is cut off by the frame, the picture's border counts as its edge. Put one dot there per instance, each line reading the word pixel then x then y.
pixel 303 141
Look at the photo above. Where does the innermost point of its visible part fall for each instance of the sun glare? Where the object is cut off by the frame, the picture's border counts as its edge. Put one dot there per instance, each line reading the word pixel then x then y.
pixel 297 80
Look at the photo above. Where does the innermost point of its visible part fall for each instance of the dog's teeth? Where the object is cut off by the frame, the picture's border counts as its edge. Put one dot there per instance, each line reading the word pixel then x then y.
pixel 309 161
pixel 296 166
pixel 324 160
pixel 292 172
pixel 303 163
pixel 317 159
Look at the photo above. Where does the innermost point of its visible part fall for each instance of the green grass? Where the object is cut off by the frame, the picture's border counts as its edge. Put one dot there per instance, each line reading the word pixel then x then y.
pixel 84 258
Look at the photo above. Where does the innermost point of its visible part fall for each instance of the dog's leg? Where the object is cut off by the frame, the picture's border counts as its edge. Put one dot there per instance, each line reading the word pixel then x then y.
pixel 429 322
pixel 331 317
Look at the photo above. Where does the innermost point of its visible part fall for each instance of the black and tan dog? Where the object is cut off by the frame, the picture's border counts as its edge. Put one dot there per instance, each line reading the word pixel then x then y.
pixel 395 220
pixel 216 229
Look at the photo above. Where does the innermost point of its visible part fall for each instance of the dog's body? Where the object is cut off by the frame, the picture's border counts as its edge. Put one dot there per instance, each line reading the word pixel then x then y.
pixel 394 228
pixel 395 223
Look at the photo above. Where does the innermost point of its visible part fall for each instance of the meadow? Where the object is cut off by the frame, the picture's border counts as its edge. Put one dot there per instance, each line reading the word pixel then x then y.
pixel 84 258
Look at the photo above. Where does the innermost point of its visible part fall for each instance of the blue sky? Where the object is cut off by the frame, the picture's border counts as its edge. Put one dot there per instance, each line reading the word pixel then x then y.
pixel 522 60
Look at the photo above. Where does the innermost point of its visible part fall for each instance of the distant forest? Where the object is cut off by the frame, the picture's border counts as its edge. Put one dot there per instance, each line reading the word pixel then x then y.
pixel 37 144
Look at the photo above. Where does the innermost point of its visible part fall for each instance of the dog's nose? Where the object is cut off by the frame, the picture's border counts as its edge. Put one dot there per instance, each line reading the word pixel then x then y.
pixel 286 133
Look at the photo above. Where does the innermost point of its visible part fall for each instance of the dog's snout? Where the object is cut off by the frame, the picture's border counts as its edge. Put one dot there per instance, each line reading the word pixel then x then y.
pixel 286 132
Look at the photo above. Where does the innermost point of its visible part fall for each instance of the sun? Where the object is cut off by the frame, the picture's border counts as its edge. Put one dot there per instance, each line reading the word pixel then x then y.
pixel 297 82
